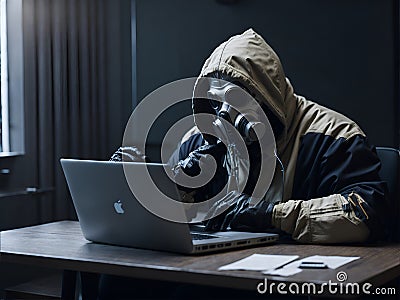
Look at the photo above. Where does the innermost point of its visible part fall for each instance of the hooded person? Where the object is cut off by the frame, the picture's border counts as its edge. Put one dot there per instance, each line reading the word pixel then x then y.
pixel 330 192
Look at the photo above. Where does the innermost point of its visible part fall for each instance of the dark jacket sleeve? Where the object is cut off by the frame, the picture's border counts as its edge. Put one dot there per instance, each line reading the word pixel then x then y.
pixel 345 167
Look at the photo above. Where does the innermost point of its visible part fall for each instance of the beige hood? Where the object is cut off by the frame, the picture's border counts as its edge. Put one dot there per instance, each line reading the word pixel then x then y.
pixel 248 59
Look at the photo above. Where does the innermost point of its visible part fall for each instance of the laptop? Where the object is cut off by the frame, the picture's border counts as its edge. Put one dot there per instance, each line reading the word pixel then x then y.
pixel 109 213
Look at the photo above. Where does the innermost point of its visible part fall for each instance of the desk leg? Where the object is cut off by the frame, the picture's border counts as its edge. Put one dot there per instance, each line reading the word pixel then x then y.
pixel 68 285
pixel 89 285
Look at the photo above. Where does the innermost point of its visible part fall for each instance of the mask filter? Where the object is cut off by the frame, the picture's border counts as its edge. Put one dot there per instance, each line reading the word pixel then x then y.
pixel 236 106
pixel 249 130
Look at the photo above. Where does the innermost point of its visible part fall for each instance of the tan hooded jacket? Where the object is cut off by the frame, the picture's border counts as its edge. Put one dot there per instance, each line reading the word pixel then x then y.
pixel 314 147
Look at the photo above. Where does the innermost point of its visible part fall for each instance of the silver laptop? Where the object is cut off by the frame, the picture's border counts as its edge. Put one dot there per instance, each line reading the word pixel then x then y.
pixel 109 213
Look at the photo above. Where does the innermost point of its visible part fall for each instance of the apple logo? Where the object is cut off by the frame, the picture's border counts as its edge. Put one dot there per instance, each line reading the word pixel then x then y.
pixel 118 207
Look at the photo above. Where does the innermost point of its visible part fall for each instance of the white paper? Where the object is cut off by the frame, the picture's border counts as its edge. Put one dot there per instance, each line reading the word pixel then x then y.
pixel 332 262
pixel 259 262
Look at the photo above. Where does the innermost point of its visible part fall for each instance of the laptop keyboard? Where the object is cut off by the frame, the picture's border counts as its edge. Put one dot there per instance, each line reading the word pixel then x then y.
pixel 201 236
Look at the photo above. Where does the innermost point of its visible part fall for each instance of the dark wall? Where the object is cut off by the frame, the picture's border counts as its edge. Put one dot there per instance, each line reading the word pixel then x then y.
pixel 338 53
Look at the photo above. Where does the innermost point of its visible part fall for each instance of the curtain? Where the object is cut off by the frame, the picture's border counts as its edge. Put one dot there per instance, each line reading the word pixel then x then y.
pixel 65 75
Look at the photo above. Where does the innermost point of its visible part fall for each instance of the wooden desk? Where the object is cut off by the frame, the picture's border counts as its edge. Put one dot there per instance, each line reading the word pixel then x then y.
pixel 61 245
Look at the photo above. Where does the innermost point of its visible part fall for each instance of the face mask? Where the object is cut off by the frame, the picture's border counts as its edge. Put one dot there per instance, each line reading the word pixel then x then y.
pixel 236 106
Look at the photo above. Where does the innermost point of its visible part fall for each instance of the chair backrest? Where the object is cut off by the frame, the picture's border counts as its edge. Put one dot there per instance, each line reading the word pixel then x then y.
pixel 390 172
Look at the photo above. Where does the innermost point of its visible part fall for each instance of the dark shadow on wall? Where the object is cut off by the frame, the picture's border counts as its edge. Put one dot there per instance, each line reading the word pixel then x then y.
pixel 341 54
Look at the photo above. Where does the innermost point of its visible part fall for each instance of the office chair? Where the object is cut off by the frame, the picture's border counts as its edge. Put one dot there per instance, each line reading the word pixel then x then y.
pixel 390 172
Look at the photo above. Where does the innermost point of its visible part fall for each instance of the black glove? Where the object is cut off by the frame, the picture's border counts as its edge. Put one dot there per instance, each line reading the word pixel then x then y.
pixel 241 217
pixel 191 166
pixel 129 154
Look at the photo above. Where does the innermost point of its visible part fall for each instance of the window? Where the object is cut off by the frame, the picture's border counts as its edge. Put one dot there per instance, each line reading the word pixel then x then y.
pixel 12 79
pixel 4 128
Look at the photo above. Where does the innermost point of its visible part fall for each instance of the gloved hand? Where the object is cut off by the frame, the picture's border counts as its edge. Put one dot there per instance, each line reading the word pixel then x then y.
pixel 192 165
pixel 241 217
pixel 132 154
pixel 197 161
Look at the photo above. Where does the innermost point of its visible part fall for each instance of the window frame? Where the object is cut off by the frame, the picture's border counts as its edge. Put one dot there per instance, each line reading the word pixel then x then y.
pixel 12 81
pixel 5 137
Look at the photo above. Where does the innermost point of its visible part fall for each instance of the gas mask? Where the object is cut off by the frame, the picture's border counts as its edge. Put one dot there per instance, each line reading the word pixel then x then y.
pixel 234 105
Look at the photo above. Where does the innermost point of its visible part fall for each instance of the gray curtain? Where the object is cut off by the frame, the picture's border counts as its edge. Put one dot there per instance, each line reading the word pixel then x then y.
pixel 65 76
